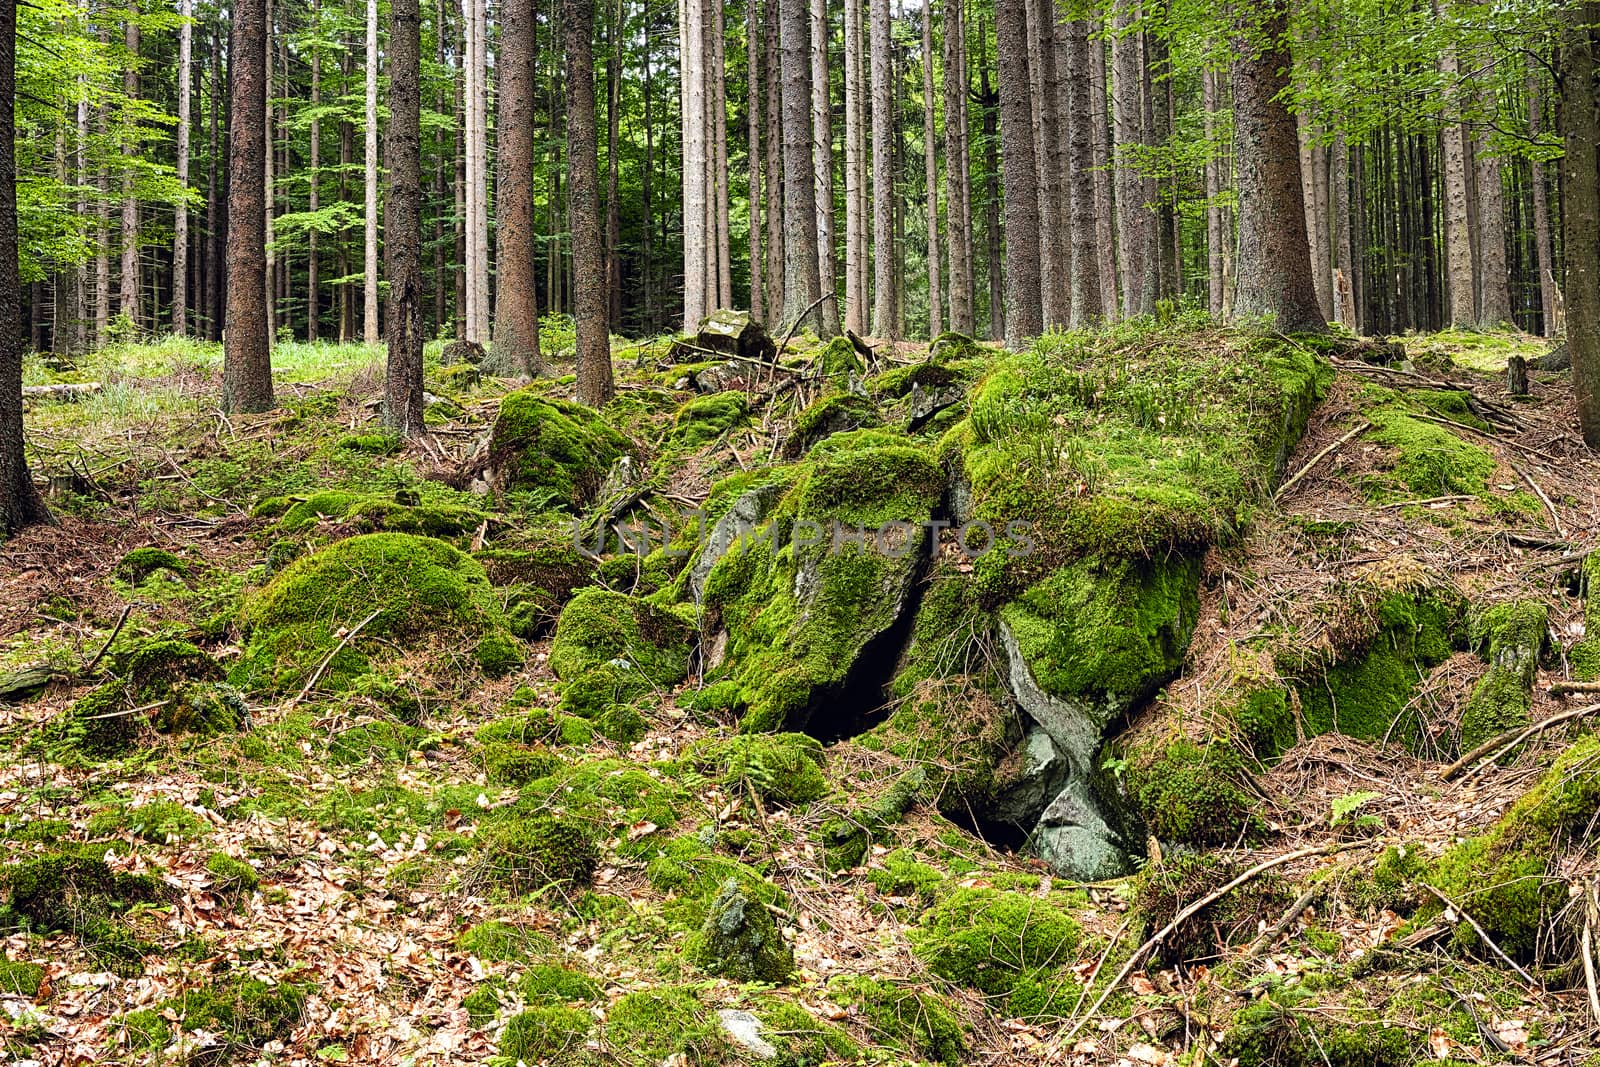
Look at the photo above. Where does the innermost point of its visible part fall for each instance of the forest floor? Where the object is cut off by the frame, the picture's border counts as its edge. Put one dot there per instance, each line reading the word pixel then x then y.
pixel 315 894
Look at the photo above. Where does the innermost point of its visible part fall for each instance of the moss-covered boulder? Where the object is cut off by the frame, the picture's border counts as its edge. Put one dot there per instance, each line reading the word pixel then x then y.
pixel 1512 637
pixel 783 769
pixel 707 418
pixel 162 682
pixel 831 414
pixel 359 599
pixel 84 897
pixel 794 606
pixel 537 578
pixel 1189 793
pixel 987 938
pixel 401 512
pixel 649 1026
pixel 616 634
pixel 556 451
pixel 740 941
pixel 906 1017
pixel 528 854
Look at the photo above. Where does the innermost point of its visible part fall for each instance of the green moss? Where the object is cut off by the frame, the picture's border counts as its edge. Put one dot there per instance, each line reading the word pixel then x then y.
pixel 370 444
pixel 986 938
pixel 904 1017
pixel 231 877
pixel 1428 460
pixel 548 1034
pixel 535 728
pixel 1285 1027
pixel 506 763
pixel 958 734
pixel 556 450
pixel 739 940
pixel 500 941
pixel 593 692
pixel 652 1025
pixel 599 626
pixel 902 875
pixel 1163 889
pixel 898 381
pixel 802 1040
pixel 1193 794
pixel 530 854
pixel 20 979
pixel 141 563
pixel 718 699
pixel 242 1010
pixel 158 822
pixel 483 1003
pixel 831 414
pixel 548 983
pixel 404 589
pixel 1393 883
pixel 707 418
pixel 783 769
pixel 1503 878
pixel 1512 637
pixel 609 794
pixel 380 740
pixel 1262 711
pixel 689 870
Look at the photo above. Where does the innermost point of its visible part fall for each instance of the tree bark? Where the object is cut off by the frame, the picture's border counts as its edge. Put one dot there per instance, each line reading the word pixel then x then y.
pixel 313 179
pixel 590 302
pixel 1126 118
pixel 930 168
pixel 402 223
pixel 883 317
pixel 247 353
pixel 1104 201
pixel 1274 252
pixel 721 267
pixel 801 273
pixel 1494 289
pixel 1049 147
pixel 1580 207
pixel 1457 235
pixel 991 200
pixel 516 324
pixel 776 178
pixel 752 51
pixel 957 176
pixel 1543 250
pixel 215 214
pixel 1170 283
pixel 613 139
pixel 180 218
pixel 1024 314
pixel 822 165
pixel 1213 176
pixel 128 281
pixel 855 176
pixel 1086 300
pixel 20 503
pixel 269 185
pixel 369 276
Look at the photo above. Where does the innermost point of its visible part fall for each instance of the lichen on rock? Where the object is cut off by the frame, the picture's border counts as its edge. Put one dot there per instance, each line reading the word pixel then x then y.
pixel 739 940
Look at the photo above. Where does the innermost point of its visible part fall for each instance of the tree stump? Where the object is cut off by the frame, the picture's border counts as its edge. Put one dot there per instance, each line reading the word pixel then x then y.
pixel 1517 376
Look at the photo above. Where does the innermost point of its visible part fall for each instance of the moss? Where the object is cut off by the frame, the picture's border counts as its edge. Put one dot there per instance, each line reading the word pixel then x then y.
pixel 1193 794
pixel 609 794
pixel 535 728
pixel 1264 716
pixel 592 694
pixel 231 877
pixel 1585 655
pixel 831 414
pixel 548 983
pixel 898 382
pixel 1165 888
pixel 719 699
pixel 598 627
pixel 1285 1027
pixel 82 896
pixel 688 869
pixel 902 875
pixel 242 1010
pixel 986 938
pixel 400 513
pixel 482 1005
pixel 559 451
pixel 707 418
pixel 621 723
pixel 958 734
pixel 1428 460
pixel 905 1017
pixel 533 853
pixel 506 763
pixel 20 979
pixel 1393 883
pixel 398 588
pixel 141 563
pixel 370 444
pixel 380 740
pixel 649 1026
pixel 1512 637
pixel 499 941
pixel 739 940
pixel 458 377
pixel 802 1040
pixel 1503 878
pixel 1107 632
pixel 158 821
pixel 544 1034
pixel 783 769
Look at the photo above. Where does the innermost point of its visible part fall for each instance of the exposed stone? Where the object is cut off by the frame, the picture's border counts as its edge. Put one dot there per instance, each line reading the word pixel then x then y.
pixel 462 352
pixel 735 333
pixel 740 941
pixel 1040 775
pixel 745 1030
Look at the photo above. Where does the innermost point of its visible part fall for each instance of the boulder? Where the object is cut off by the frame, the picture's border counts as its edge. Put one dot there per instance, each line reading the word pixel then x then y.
pixel 740 941
pixel 735 333
pixel 462 352
pixel 552 448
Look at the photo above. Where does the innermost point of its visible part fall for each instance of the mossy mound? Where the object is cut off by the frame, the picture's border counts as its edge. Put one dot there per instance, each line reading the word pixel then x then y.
pixel 1192 794
pixel 987 938
pixel 1393 623
pixel 1585 655
pixel 960 734
pixel 609 796
pixel 650 1026
pixel 528 854
pixel 599 628
pixel 838 360
pixel 537 581
pixel 834 413
pixel 1512 637
pixel 500 941
pixel 1508 878
pixel 904 1017
pixel 141 563
pixel 546 1034
pixel 231 878
pixel 802 598
pixel 802 1040
pixel 693 874
pixel 556 451
pixel 899 381
pixel 707 418
pixel 506 763
pixel 244 1012
pixel 398 588
pixel 170 683
pixel 400 512
pixel 1165 888
pixel 782 769
pixel 549 983
pixel 19 978
pixel 740 941
pixel 1424 459
pixel 83 897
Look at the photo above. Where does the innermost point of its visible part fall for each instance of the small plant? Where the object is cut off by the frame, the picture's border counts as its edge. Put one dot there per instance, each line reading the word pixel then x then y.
pixel 1346 811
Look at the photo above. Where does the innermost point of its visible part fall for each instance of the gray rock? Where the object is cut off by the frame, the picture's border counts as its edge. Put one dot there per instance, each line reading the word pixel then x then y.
pixel 745 1030
pixel 1042 776
pixel 722 377
pixel 1074 839
pixel 735 333
pixel 747 513
pixel 926 403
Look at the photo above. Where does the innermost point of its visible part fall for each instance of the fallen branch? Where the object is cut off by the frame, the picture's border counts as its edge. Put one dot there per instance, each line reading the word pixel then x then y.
pixel 1482 934
pixel 1319 457
pixel 1501 438
pixel 316 675
pixel 65 391
pixel 1561 689
pixel 1266 940
pixel 129 711
pixel 1561 531
pixel 115 630
pixel 1182 917
pixel 1591 912
pixel 1513 737
pixel 1429 500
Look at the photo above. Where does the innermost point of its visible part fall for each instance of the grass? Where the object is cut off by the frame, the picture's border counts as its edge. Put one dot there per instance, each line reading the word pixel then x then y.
pixel 1483 351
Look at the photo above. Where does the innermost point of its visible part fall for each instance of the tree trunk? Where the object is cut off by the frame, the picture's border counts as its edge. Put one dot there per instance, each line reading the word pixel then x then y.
pixel 180 218
pixel 1274 252
pixel 613 141
pixel 717 179
pixel 1126 117
pixel 1086 300
pixel 1024 315
pixel 1494 289
pixel 128 282
pixel 957 177
pixel 883 318
pixel 1457 235
pixel 1543 251
pixel 1213 174
pixel 369 276
pixel 1170 283
pixel 822 165
pixel 583 208
pixel 313 179
pixel 696 234
pixel 855 176
pixel 477 186
pixel 930 167
pixel 20 504
pixel 991 200
pixel 776 178
pixel 752 51
pixel 269 185
pixel 1055 293
pixel 402 223
pixel 247 353
pixel 801 273
pixel 1104 201
pixel 516 324
pixel 1580 208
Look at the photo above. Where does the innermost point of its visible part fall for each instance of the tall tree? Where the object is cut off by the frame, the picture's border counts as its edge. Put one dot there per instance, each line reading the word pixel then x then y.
pixel 180 220
pixel 801 274
pixel 590 303
pixel 1544 253
pixel 699 231
pixel 1494 292
pixel 930 168
pixel 516 323
pixel 752 23
pixel 883 318
pixel 1580 206
pixel 128 281
pixel 1024 312
pixel 369 331
pixel 1085 257
pixel 1274 251
pixel 20 503
pixel 855 175
pixel 1126 116
pixel 313 176
pixel 477 185
pixel 402 223
pixel 822 164
pixel 957 171
pixel 1457 228
pixel 247 352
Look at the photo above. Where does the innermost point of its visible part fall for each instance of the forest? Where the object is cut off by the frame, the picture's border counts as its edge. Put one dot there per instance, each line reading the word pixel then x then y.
pixel 800 532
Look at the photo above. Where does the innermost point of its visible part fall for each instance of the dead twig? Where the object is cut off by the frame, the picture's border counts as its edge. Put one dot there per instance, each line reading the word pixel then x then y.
pixel 1561 531
pixel 1482 935
pixel 316 675
pixel 1513 737
pixel 115 630
pixel 1319 457
pixel 1561 689
pixel 1591 913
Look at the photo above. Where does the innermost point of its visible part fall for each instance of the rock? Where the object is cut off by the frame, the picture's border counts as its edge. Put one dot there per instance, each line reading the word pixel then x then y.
pixel 554 448
pixel 827 416
pixel 745 1030
pixel 462 352
pixel 1558 358
pixel 926 403
pixel 740 941
pixel 1073 838
pixel 459 377
pixel 722 377
pixel 25 683
pixel 735 333
pixel 1041 775
pixel 748 512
